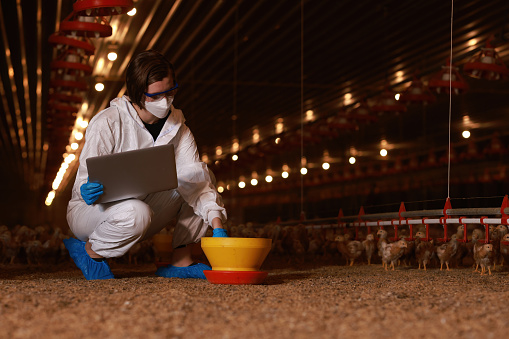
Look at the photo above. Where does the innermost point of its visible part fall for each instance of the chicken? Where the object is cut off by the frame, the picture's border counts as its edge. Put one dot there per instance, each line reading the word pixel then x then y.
pixel 274 234
pixel 483 257
pixel 470 247
pixel 504 249
pixel 287 237
pixel 316 243
pixel 10 247
pixel 391 252
pixel 423 250
pixel 460 231
pixel 502 230
pixel 369 247
pixel 495 241
pixel 478 232
pixel 382 238
pixel 446 251
pixel 330 247
pixel 302 235
pixel 291 244
pixel 351 250
pixel 247 231
pixel 140 250
pixel 409 252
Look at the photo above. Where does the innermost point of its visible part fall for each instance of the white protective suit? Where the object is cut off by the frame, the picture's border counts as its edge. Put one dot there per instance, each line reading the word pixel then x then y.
pixel 112 228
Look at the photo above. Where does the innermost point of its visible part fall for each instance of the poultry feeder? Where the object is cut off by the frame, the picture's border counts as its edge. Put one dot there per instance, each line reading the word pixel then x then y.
pixel 235 261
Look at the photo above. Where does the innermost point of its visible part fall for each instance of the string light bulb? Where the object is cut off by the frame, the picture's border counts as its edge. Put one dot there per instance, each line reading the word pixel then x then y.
pixel 112 56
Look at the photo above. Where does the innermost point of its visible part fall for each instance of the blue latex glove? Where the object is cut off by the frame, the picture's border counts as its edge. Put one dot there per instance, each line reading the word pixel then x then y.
pixel 219 233
pixel 91 191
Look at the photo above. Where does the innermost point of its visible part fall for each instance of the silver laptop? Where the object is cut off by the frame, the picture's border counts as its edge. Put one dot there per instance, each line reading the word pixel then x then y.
pixel 134 173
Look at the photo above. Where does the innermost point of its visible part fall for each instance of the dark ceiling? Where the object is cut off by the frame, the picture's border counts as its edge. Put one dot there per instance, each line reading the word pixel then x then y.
pixel 242 65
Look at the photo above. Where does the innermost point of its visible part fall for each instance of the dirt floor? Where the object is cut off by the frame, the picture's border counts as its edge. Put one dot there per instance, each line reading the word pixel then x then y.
pixel 323 300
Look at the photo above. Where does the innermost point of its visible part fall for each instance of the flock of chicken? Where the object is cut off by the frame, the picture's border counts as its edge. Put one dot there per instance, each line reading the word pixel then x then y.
pixel 38 245
pixel 418 250
pixel 298 243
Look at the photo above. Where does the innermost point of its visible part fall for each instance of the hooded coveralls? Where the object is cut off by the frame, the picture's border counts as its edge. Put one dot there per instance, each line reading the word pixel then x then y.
pixel 112 228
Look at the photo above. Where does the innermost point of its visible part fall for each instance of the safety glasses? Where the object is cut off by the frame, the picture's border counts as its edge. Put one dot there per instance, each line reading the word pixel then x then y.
pixel 159 95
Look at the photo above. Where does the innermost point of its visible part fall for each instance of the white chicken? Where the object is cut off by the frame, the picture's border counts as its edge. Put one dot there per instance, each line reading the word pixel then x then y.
pixel 369 247
pixel 391 252
pixel 446 251
pixel 483 257
pixel 351 250
pixel 382 238
pixel 423 249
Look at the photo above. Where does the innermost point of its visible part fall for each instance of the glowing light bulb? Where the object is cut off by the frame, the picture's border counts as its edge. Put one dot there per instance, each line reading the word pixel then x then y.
pixel 112 56
pixel 466 134
pixel 268 178
pixel 325 165
pixel 352 160
pixel 383 152
pixel 219 150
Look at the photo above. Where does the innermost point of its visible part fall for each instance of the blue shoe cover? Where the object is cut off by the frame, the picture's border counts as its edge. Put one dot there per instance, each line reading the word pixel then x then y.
pixel 92 270
pixel 193 271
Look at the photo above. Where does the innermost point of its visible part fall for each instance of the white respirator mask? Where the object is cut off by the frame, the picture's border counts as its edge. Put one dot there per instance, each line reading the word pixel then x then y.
pixel 160 107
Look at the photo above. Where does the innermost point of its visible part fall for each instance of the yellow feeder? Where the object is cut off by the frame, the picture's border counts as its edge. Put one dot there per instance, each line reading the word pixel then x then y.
pixel 236 254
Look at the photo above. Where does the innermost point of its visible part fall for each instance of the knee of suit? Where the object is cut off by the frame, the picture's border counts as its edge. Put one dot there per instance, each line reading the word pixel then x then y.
pixel 135 217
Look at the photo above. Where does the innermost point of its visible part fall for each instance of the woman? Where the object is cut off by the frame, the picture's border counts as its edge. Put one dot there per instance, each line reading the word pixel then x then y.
pixel 144 117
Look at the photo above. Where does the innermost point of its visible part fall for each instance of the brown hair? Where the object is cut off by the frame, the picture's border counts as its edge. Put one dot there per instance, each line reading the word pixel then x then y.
pixel 143 70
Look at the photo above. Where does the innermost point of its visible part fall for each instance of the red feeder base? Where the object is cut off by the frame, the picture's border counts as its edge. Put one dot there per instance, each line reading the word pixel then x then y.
pixel 235 277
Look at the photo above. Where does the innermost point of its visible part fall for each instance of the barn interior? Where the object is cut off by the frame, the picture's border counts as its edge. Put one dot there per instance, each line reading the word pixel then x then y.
pixel 326 124
pixel 280 86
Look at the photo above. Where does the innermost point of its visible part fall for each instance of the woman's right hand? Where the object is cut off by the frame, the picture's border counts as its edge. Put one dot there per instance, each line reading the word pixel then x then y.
pixel 91 191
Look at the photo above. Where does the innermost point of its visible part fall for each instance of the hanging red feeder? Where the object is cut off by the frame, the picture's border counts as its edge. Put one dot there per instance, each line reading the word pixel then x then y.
pixel 387 103
pixel 323 129
pixel 102 7
pixel 417 93
pixel 486 65
pixel 89 27
pixel 74 67
pixel 62 107
pixel 61 117
pixel 67 98
pixel 81 46
pixel 341 121
pixel 362 113
pixel 449 76
pixel 72 85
